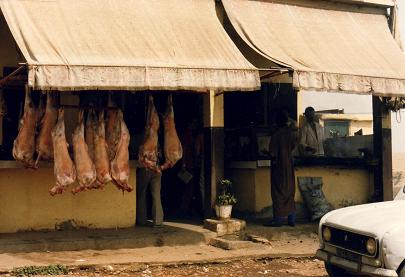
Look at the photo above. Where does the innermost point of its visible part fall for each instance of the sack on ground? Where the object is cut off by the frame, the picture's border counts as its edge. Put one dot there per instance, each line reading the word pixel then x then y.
pixel 314 198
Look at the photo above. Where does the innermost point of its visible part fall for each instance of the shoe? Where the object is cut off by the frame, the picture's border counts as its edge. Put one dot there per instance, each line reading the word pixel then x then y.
pixel 158 225
pixel 291 219
pixel 273 224
pixel 291 223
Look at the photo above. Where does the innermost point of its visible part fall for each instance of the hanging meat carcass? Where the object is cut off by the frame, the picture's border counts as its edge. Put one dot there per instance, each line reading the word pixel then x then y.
pixel 64 169
pixel 24 144
pixel 41 109
pixel 120 163
pixel 172 146
pixel 89 133
pixel 148 151
pixel 112 133
pixel 85 169
pixel 112 129
pixel 44 144
pixel 101 160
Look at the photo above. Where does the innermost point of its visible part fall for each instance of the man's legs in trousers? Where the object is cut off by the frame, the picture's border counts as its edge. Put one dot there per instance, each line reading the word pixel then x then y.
pixel 157 210
pixel 142 183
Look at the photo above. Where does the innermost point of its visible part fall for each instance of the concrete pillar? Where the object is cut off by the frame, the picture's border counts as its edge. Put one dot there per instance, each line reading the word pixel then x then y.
pixel 213 103
pixel 383 187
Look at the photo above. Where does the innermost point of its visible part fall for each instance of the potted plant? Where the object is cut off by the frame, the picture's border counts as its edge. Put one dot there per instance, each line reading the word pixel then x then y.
pixel 225 200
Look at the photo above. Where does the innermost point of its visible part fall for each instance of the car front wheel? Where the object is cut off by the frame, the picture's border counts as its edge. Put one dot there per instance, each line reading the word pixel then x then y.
pixel 334 271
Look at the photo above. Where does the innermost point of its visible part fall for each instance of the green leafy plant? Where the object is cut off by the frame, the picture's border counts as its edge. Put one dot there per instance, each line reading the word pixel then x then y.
pixel 225 196
pixel 40 270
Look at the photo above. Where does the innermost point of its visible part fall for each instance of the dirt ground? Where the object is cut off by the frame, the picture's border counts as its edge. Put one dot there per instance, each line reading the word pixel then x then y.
pixel 248 267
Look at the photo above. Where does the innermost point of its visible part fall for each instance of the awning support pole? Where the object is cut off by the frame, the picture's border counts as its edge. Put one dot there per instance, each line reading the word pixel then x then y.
pixel 213 147
pixel 383 186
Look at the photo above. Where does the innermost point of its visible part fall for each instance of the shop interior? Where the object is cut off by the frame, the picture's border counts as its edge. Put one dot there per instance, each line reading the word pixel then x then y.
pixel 347 137
pixel 248 133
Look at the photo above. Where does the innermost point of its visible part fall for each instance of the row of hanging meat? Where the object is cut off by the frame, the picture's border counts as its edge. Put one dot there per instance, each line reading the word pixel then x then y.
pixel 148 151
pixel 100 147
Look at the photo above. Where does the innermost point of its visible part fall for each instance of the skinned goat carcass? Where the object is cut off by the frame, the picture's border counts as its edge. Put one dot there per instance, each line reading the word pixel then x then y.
pixel 24 144
pixel 148 151
pixel 112 133
pixel 44 144
pixel 120 163
pixel 89 132
pixel 85 169
pixel 41 109
pixel 101 160
pixel 64 169
pixel 172 145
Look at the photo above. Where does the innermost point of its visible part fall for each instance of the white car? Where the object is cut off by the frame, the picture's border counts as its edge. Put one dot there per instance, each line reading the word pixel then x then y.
pixel 364 240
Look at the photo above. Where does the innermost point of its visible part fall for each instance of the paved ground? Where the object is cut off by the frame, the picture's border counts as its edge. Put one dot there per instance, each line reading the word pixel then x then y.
pixel 175 243
pixel 246 267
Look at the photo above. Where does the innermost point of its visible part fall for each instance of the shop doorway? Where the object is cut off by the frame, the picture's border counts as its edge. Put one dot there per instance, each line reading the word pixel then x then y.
pixel 183 200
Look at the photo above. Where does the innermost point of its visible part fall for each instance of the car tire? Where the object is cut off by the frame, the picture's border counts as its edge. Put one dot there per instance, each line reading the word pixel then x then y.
pixel 334 271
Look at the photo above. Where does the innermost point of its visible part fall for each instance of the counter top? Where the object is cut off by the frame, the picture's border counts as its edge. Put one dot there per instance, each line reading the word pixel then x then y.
pixel 332 161
pixel 354 162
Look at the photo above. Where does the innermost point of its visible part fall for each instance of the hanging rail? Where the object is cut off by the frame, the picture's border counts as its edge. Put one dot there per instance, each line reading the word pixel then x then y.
pixel 11 75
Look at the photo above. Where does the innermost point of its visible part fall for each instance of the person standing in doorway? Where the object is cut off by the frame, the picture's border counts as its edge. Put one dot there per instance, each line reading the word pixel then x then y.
pixel 193 146
pixel 290 122
pixel 282 145
pixel 311 135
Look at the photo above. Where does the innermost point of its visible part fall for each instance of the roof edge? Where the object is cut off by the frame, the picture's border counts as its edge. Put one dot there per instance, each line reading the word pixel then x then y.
pixel 379 3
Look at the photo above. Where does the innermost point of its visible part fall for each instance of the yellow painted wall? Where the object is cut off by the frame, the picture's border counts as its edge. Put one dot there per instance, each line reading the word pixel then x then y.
pixel 244 186
pixel 342 186
pixel 25 203
pixel 262 192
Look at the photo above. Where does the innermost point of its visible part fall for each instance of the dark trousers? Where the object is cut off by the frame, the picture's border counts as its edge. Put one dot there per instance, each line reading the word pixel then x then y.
pixel 148 179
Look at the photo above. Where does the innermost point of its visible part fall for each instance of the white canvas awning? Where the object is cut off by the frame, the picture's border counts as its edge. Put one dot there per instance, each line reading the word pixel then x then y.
pixel 127 45
pixel 330 46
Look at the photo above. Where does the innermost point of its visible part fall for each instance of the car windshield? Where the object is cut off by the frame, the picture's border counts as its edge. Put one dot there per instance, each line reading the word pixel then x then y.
pixel 401 194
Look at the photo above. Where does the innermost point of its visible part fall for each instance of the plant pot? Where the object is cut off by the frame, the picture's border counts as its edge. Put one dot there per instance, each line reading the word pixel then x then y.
pixel 223 212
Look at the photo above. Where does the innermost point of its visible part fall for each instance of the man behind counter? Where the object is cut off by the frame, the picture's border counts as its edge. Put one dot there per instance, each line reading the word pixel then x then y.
pixel 311 135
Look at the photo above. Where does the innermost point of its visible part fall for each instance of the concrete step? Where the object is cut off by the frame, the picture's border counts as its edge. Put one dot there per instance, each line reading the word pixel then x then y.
pixel 225 227
pixel 171 234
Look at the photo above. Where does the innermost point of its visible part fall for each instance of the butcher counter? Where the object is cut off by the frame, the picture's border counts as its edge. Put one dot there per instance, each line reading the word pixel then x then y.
pixel 346 181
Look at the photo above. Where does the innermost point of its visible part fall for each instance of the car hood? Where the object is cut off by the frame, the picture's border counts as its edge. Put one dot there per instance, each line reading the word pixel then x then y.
pixel 370 219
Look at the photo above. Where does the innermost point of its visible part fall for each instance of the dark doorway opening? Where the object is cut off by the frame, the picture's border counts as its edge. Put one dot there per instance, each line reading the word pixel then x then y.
pixel 183 201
